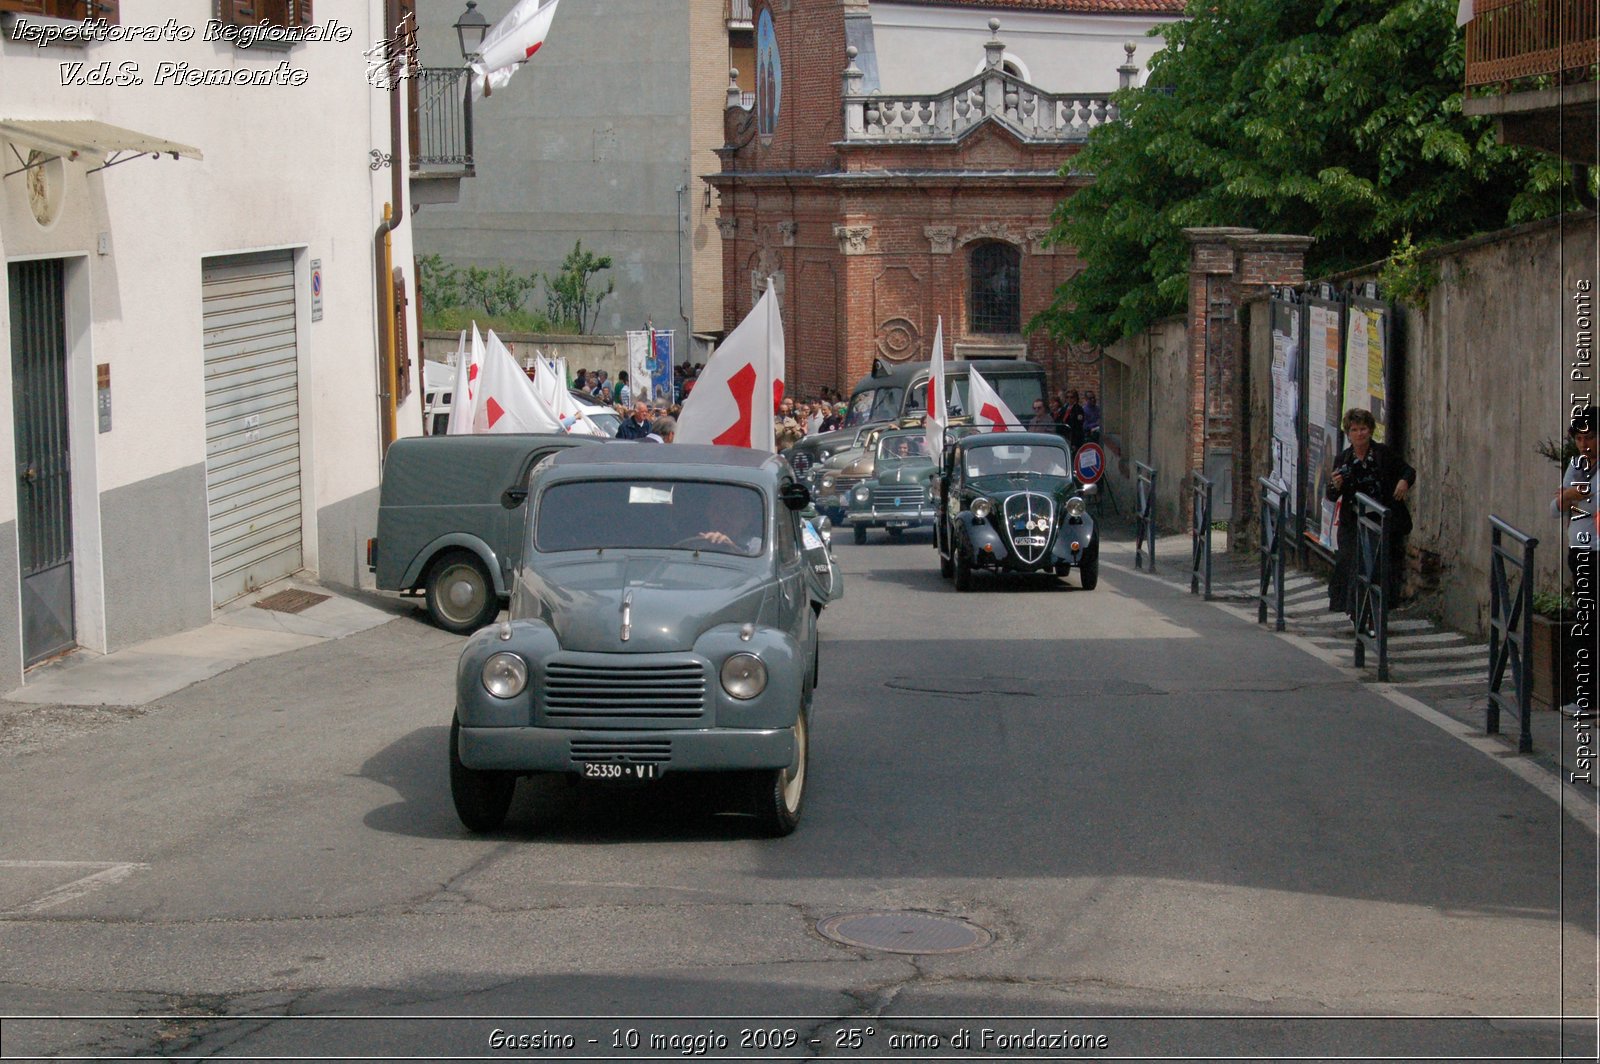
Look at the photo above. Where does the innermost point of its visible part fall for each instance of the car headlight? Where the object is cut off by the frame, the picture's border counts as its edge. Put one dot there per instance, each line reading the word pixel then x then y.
pixel 827 482
pixel 505 675
pixel 982 508
pixel 862 494
pixel 826 454
pixel 1075 507
pixel 744 676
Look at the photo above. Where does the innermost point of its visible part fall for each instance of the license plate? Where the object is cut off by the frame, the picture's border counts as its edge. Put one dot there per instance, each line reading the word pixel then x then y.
pixel 594 770
pixel 1031 541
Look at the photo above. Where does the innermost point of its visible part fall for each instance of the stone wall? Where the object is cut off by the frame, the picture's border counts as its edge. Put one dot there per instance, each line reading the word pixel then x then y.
pixel 1145 410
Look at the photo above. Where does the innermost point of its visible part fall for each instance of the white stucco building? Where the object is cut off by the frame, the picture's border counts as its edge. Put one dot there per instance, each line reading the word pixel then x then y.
pixel 194 415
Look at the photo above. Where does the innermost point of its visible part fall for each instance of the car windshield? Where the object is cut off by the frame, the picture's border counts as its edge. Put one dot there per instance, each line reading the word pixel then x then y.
pixel 998 461
pixel 902 448
pixel 670 514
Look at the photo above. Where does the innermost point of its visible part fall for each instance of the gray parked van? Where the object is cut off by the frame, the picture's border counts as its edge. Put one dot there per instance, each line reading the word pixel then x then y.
pixel 451 518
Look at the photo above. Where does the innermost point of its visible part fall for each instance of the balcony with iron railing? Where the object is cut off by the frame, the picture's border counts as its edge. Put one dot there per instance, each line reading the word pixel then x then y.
pixel 441 133
pixel 741 14
pixel 1533 65
pixel 1531 43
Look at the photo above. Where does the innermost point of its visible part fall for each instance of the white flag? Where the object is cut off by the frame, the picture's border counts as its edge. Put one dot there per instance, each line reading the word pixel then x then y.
pixel 741 385
pixel 938 414
pixel 509 43
pixel 1463 12
pixel 550 383
pixel 506 400
pixel 469 363
pixel 988 409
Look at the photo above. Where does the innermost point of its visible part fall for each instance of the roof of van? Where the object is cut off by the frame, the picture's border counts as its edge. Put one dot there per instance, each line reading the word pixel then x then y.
pixel 677 455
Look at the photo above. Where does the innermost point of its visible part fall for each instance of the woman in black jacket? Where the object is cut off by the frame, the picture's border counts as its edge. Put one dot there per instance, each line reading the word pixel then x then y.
pixel 1376 470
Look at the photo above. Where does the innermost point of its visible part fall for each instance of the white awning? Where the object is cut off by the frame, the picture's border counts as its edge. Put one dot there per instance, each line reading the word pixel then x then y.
pixel 106 144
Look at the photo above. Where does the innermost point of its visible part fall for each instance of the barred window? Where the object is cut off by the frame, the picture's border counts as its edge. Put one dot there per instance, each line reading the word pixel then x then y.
pixel 290 14
pixel 996 280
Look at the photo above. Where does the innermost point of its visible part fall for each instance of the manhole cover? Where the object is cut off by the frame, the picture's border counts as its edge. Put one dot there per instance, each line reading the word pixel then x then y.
pixel 905 932
pixel 291 601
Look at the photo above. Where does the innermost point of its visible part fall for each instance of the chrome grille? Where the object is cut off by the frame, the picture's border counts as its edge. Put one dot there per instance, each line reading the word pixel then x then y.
pixel 843 485
pixel 675 690
pixel 899 497
pixel 628 751
pixel 801 460
pixel 1025 509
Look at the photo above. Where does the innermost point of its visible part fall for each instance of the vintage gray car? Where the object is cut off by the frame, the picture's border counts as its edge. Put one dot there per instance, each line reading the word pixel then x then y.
pixel 900 493
pixel 663 620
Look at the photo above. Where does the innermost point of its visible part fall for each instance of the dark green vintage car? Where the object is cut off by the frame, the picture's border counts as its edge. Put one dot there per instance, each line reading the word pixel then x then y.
pixel 899 494
pixel 1009 503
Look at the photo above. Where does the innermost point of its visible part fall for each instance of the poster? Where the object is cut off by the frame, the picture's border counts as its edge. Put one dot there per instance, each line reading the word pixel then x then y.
pixel 1286 397
pixel 1322 418
pixel 1365 367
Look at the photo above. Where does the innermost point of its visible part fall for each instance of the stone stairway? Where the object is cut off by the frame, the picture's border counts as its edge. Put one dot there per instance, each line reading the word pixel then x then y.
pixel 1421 653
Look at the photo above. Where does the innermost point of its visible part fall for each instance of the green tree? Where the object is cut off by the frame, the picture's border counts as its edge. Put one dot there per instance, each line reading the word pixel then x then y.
pixel 1338 119
pixel 573 294
pixel 498 291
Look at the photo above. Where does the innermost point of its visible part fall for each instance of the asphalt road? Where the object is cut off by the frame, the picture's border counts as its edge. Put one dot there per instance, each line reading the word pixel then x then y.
pixel 1180 835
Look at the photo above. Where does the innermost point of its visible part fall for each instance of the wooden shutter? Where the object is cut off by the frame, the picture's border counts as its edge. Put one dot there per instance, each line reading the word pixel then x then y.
pixel 110 10
pixel 235 12
pixel 26 7
pixel 288 13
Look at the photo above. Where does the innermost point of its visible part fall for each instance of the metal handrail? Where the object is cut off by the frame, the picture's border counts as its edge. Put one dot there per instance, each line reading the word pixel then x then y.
pixel 1144 516
pixel 1371 617
pixel 1274 525
pixel 1510 630
pixel 1200 530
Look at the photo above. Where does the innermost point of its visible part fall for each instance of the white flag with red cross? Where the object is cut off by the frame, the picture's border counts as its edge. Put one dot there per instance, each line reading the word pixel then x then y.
pixel 469 363
pixel 938 414
pixel 509 43
pixel 989 411
pixel 739 389
pixel 506 400
pixel 550 382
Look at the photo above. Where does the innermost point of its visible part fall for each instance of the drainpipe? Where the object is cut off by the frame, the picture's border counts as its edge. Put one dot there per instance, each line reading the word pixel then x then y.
pixel 383 251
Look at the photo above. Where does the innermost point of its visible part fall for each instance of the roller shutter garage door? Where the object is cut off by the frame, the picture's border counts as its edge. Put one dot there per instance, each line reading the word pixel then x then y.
pixel 252 422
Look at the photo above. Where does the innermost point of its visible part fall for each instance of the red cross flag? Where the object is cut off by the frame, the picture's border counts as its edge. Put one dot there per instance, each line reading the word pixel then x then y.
pixel 989 411
pixel 469 363
pixel 734 397
pixel 938 414
pixel 506 399
pixel 511 42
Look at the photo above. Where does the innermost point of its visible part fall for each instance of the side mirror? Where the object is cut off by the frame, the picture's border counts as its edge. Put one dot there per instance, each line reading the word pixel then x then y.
pixel 1091 489
pixel 512 498
pixel 794 495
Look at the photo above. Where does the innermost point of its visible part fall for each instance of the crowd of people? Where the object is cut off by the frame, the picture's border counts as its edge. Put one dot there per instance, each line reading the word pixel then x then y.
pixel 1073 419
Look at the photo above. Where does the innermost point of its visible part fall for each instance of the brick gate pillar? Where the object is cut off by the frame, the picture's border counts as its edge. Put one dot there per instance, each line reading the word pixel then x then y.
pixel 1211 341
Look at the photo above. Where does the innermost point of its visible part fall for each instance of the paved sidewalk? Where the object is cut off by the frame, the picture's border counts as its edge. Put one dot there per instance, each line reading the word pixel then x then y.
pixel 241 632
pixel 1445 670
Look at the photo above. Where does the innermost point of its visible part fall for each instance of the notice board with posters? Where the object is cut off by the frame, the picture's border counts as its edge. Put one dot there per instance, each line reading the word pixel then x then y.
pixel 1324 344
pixel 1287 328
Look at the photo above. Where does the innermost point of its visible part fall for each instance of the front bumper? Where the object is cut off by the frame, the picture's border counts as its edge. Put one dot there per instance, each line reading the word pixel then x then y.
pixel 516 749
pixel 870 516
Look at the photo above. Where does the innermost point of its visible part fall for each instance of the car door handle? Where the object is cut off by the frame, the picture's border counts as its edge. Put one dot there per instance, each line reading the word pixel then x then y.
pixel 28 473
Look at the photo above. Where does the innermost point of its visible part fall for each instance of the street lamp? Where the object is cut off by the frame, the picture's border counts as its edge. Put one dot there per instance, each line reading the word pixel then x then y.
pixel 470 30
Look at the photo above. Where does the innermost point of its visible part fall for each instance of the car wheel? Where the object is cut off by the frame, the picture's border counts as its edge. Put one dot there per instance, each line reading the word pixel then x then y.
pixel 781 792
pixel 860 533
pixel 481 798
pixel 460 595
pixel 1089 568
pixel 963 569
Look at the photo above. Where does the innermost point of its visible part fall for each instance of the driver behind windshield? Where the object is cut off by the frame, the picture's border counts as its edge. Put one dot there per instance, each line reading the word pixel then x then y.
pixel 726 521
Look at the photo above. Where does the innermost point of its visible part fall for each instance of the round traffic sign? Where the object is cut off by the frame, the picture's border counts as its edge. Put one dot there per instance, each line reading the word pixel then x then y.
pixel 1089 463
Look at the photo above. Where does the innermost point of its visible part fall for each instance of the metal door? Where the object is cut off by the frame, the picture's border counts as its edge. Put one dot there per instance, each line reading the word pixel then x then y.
pixel 44 471
pixel 252 422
